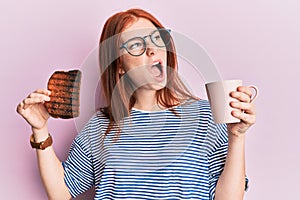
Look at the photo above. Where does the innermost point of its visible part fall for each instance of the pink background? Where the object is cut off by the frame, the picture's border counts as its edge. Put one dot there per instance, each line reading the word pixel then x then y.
pixel 257 41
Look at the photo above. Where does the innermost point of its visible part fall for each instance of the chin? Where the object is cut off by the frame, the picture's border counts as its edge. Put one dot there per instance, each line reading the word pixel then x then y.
pixel 158 86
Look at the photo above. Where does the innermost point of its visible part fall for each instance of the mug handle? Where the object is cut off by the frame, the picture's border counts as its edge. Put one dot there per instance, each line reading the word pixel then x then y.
pixel 256 93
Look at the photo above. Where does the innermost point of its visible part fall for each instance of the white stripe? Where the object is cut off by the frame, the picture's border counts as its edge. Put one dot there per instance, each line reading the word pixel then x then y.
pixel 157 156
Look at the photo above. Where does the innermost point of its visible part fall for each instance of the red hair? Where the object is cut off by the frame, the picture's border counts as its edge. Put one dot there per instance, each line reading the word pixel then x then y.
pixel 116 93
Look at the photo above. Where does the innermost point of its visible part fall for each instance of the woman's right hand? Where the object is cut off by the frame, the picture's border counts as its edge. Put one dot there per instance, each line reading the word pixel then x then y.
pixel 32 108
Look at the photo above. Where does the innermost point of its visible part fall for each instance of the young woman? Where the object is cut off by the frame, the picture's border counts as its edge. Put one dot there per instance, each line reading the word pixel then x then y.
pixel 154 140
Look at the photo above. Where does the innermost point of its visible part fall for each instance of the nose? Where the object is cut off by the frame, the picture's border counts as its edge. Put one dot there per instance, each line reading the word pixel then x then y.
pixel 151 49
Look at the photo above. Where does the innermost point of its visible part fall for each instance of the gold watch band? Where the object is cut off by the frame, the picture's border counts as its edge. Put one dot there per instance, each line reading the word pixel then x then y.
pixel 41 145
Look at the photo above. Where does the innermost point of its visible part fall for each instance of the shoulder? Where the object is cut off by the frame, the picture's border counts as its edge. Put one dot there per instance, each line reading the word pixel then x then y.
pixel 98 119
pixel 201 106
pixel 197 111
pixel 96 126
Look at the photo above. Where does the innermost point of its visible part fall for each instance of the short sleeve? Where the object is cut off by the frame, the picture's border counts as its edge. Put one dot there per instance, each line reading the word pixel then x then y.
pixel 78 168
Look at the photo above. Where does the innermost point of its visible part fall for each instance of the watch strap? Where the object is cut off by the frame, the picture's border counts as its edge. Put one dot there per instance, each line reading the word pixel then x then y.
pixel 41 145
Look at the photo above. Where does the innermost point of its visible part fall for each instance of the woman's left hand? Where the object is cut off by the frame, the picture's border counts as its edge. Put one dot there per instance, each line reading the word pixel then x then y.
pixel 245 111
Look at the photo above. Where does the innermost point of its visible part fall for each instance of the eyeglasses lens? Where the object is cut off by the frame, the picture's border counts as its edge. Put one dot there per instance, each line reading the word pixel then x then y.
pixel 137 46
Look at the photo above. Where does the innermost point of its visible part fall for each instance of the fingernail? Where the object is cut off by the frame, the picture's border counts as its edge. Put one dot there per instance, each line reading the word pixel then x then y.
pixel 233 94
pixel 240 88
pixel 235 113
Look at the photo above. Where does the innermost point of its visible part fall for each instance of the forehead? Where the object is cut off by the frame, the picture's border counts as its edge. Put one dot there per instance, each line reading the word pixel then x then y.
pixel 141 27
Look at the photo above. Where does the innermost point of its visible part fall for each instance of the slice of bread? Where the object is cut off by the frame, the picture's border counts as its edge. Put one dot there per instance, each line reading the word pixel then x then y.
pixel 65 94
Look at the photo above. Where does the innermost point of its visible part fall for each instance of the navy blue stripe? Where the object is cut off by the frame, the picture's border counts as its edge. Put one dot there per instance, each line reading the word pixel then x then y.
pixel 157 156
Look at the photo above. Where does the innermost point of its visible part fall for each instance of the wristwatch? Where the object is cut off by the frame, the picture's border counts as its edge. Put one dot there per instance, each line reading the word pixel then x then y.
pixel 41 145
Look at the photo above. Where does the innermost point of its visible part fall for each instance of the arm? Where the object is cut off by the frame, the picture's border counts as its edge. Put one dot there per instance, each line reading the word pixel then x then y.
pixel 51 170
pixel 231 183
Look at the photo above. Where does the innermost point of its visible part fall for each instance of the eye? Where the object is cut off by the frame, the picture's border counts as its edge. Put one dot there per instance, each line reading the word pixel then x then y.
pixel 156 37
pixel 135 45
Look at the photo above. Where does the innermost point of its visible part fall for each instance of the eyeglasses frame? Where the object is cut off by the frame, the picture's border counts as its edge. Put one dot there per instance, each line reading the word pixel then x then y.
pixel 124 45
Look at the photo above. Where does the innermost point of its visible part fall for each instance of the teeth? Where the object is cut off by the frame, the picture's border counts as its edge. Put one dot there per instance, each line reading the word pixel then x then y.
pixel 156 63
pixel 156 69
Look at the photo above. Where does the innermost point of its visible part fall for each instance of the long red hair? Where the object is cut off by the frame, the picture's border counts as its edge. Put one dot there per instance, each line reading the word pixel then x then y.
pixel 116 93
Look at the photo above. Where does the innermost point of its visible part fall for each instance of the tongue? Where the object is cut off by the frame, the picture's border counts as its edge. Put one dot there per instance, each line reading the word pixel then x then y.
pixel 155 71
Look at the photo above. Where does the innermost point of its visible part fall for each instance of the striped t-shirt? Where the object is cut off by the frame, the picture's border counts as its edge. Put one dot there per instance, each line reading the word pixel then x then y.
pixel 158 155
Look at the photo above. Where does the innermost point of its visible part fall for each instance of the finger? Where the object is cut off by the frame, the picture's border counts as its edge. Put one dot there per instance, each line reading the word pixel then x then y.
pixel 43 97
pixel 244 117
pixel 43 91
pixel 245 90
pixel 34 100
pixel 246 107
pixel 240 96
pixel 20 108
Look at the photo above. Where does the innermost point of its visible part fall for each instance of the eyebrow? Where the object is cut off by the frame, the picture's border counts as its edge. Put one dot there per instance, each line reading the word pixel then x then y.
pixel 137 35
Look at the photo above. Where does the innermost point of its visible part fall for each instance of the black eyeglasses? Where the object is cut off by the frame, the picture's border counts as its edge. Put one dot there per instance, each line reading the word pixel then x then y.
pixel 137 46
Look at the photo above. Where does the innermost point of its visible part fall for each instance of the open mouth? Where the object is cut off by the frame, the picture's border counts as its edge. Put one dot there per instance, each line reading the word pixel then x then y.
pixel 157 69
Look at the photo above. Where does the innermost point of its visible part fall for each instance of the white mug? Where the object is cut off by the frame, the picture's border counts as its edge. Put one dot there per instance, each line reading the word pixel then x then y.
pixel 218 94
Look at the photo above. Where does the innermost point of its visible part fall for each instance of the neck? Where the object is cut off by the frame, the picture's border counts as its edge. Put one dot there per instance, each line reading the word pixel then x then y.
pixel 146 100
